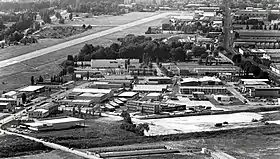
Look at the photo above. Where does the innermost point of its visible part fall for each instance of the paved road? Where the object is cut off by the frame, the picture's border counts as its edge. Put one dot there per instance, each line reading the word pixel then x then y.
pixel 70 43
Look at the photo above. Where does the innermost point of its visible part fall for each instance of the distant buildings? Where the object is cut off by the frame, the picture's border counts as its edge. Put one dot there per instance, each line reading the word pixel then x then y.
pixel 146 2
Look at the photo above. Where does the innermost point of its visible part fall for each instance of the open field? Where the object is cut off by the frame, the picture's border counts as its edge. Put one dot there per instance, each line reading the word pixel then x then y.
pixel 112 20
pixel 15 146
pixel 19 74
pixel 55 154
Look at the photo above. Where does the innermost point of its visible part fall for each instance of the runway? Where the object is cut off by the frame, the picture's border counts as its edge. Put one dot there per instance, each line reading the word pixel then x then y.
pixel 84 39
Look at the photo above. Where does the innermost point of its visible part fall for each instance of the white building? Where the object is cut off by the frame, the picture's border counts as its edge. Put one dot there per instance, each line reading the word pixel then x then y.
pixel 54 124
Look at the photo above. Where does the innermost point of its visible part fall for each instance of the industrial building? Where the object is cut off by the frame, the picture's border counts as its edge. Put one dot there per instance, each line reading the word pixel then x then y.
pixel 200 81
pixel 265 92
pixel 153 107
pixel 44 110
pixel 114 63
pixel 153 96
pixel 107 92
pixel 11 101
pixel 55 124
pixel 6 107
pixel 129 95
pixel 150 88
pixel 206 90
pixel 33 89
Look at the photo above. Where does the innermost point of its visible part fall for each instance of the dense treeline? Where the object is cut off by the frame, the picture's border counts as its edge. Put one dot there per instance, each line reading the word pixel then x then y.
pixel 133 46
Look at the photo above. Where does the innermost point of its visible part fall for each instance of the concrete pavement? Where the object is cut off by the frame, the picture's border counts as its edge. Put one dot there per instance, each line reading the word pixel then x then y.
pixel 73 42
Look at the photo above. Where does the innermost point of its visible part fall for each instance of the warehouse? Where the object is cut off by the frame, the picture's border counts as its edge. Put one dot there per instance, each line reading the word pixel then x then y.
pixel 95 98
pixel 265 92
pixel 44 110
pixel 153 96
pixel 206 90
pixel 55 124
pixel 107 92
pixel 129 95
pixel 33 89
pixel 150 88
pixel 200 81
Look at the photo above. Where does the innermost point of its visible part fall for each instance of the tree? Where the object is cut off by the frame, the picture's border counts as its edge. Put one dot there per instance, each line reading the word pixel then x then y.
pixel 84 26
pixel 237 58
pixel 199 61
pixel 70 69
pixel 23 98
pixel 247 27
pixel 198 50
pixel 140 128
pixel 61 21
pixel 126 117
pixel 58 15
pixel 203 56
pixel 70 58
pixel 71 16
pixel 32 80
pixel 41 79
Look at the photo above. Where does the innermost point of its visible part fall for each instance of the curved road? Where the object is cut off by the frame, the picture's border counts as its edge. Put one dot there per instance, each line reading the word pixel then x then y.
pixel 70 43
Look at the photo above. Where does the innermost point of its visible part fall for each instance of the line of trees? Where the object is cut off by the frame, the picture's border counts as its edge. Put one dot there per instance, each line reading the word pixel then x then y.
pixel 132 46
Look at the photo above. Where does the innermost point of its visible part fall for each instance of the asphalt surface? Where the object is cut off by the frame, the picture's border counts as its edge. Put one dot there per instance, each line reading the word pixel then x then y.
pixel 70 43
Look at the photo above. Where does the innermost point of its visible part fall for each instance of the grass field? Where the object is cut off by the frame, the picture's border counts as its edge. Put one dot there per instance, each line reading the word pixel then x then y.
pixel 16 146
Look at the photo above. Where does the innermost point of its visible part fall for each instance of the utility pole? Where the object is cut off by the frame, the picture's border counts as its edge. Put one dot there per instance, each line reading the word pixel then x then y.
pixel 227 26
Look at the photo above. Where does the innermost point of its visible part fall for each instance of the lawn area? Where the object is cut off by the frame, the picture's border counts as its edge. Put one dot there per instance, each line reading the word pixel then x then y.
pixel 16 146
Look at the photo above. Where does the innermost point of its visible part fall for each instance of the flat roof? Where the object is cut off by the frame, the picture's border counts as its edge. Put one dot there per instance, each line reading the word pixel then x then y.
pixel 91 90
pixel 128 94
pixel 31 88
pixel 255 79
pixel 40 110
pixel 4 104
pixel 54 121
pixel 203 79
pixel 92 95
pixel 11 93
pixel 200 87
pixel 189 103
pixel 149 88
pixel 7 99
pixel 154 94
